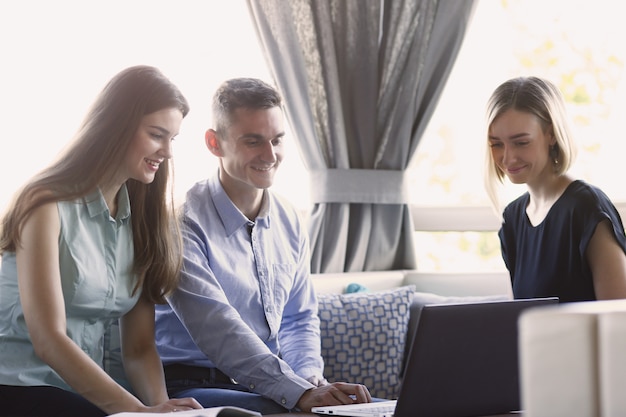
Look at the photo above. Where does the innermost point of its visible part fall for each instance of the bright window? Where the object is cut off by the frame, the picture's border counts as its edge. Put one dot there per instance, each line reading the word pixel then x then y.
pixel 58 54
pixel 576 44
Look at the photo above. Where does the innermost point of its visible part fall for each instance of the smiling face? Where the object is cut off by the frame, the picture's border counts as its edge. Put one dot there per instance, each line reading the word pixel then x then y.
pixel 152 144
pixel 520 147
pixel 251 151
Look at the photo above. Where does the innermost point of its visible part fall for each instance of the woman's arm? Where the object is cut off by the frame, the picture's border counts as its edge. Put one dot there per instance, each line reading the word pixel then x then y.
pixel 44 310
pixel 608 263
pixel 142 363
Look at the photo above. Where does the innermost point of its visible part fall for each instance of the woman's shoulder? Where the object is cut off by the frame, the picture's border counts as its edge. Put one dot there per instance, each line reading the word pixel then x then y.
pixel 584 203
pixel 517 205
pixel 586 194
pixel 42 221
pixel 43 200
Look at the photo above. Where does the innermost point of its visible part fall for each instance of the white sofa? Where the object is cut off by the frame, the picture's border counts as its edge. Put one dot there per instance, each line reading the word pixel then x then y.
pixel 364 333
pixel 444 284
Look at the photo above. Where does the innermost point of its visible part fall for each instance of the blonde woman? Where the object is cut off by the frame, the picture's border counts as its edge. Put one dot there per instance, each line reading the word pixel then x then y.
pixel 563 237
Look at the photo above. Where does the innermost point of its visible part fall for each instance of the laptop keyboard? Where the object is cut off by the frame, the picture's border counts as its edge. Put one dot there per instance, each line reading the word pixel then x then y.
pixel 375 407
pixel 379 409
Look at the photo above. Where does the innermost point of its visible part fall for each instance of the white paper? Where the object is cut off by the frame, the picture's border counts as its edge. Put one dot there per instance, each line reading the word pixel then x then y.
pixel 205 412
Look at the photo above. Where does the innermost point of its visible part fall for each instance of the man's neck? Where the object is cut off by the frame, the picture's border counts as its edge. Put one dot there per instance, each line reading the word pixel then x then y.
pixel 249 202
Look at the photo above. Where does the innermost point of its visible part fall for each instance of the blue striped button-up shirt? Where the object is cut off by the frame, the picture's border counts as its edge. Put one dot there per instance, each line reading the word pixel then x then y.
pixel 245 297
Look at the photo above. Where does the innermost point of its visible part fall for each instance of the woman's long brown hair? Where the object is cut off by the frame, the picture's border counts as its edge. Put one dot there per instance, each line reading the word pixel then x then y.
pixel 93 158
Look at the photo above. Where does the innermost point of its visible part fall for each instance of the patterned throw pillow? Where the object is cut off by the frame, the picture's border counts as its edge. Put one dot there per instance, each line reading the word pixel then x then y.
pixel 363 337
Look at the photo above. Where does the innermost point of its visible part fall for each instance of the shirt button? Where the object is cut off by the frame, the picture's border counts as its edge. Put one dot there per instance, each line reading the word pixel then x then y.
pixel 251 386
pixel 283 401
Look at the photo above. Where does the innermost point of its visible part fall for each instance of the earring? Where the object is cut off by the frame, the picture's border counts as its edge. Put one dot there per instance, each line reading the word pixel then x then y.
pixel 554 153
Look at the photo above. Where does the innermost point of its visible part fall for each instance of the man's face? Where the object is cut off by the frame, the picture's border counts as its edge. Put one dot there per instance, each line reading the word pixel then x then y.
pixel 252 149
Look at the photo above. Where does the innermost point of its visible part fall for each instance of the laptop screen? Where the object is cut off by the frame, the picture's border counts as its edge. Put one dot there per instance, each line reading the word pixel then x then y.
pixel 463 359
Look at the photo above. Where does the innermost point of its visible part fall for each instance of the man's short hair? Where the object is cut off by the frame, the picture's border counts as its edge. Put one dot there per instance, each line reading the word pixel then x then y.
pixel 235 93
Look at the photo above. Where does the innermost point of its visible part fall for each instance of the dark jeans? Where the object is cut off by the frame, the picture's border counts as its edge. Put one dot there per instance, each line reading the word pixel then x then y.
pixel 44 401
pixel 211 388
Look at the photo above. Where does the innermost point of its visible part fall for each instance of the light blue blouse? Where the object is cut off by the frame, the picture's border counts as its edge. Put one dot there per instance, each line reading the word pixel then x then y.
pixel 96 260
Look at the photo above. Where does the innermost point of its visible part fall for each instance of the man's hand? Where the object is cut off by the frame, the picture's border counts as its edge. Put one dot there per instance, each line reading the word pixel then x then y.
pixel 334 394
pixel 318 381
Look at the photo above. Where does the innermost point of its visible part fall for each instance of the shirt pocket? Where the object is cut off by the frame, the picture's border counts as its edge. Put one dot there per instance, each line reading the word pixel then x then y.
pixel 283 280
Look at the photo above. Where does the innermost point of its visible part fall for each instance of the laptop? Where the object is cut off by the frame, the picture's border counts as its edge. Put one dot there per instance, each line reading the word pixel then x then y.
pixel 462 362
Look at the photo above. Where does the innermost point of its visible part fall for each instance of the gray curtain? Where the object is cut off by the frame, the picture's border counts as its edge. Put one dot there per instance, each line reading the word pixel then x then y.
pixel 361 79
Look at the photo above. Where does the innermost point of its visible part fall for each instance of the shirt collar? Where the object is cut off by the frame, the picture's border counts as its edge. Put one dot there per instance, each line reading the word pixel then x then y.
pixel 97 206
pixel 231 216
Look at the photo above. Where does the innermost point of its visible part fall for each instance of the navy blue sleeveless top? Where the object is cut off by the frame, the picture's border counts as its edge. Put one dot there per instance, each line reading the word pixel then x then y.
pixel 549 259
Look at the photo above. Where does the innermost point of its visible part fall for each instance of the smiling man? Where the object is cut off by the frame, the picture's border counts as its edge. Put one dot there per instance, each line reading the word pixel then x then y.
pixel 242 329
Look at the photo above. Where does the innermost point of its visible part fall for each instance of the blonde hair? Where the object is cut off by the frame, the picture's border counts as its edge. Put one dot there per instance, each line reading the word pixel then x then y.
pixel 541 98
